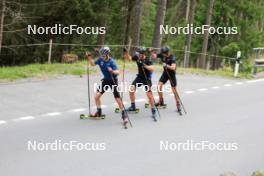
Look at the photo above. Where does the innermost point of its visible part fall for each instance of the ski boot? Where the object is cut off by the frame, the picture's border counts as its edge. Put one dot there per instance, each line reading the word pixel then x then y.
pixel 132 110
pixel 161 105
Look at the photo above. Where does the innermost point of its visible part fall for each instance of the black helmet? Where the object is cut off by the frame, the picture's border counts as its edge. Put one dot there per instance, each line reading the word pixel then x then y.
pixel 165 49
pixel 142 50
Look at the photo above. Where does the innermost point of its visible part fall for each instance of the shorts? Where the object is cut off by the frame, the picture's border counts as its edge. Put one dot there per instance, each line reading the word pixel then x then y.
pixel 172 78
pixel 106 84
pixel 139 81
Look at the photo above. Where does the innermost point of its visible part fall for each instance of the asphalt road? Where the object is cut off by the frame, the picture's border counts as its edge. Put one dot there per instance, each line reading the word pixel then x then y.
pixel 220 110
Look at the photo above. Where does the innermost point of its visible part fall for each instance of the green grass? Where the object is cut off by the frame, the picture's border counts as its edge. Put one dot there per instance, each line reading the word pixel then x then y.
pixel 225 72
pixel 42 71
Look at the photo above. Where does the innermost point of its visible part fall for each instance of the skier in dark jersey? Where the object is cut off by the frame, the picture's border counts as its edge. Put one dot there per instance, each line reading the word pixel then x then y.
pixel 169 74
pixel 143 78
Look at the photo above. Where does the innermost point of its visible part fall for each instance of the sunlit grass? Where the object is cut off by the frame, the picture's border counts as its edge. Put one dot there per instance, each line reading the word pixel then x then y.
pixel 79 68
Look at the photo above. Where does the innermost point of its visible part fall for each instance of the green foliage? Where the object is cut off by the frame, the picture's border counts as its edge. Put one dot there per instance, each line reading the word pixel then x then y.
pixel 246 15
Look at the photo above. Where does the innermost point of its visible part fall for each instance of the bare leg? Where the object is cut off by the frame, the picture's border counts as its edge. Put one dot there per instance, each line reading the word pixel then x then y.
pixel 97 99
pixel 120 104
pixel 132 93
pixel 174 90
pixel 151 99
pixel 160 92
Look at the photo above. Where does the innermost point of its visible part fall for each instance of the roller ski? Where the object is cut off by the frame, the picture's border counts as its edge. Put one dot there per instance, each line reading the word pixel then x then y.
pixel 92 116
pixel 158 105
pixel 117 110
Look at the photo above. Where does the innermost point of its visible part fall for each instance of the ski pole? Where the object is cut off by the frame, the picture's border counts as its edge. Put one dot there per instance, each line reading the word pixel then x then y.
pixel 124 65
pixel 149 86
pixel 88 82
pixel 176 94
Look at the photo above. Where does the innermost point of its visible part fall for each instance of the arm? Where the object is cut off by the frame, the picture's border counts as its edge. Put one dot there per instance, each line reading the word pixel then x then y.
pixel 153 53
pixel 149 67
pixel 171 67
pixel 90 58
pixel 127 56
pixel 113 69
pixel 115 72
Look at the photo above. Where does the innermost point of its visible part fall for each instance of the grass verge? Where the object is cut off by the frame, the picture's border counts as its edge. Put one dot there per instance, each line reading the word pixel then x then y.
pixel 42 71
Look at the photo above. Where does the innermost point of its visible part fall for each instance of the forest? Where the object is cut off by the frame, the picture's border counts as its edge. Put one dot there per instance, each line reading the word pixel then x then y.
pixel 135 23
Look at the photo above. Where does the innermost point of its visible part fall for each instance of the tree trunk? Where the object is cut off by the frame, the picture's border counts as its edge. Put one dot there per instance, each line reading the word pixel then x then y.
pixel 2 23
pixel 188 40
pixel 102 19
pixel 156 42
pixel 187 10
pixel 128 20
pixel 137 24
pixel 174 19
pixel 202 58
pixel 101 37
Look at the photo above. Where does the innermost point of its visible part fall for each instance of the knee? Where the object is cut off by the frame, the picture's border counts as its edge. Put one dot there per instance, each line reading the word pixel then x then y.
pixel 97 96
pixel 132 89
pixel 149 95
pixel 160 85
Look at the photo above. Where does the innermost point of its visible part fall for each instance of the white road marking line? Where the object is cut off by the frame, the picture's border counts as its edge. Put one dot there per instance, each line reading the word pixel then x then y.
pixel 215 87
pixel 202 89
pixel 227 85
pixel 24 118
pixel 156 97
pixel 140 100
pixel 27 118
pixel 239 83
pixel 77 110
pixel 2 122
pixel 171 94
pixel 52 114
pixel 256 80
pixel 188 92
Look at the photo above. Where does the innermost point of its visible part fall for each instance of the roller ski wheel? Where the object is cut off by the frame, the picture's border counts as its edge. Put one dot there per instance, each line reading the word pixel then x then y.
pixel 92 116
pixel 164 106
pixel 117 110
